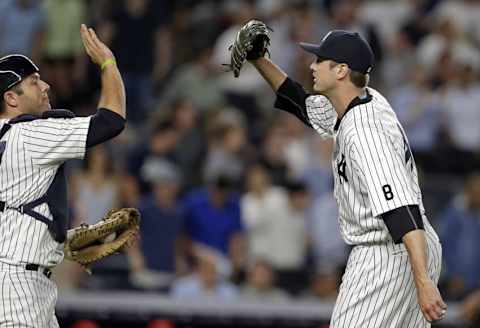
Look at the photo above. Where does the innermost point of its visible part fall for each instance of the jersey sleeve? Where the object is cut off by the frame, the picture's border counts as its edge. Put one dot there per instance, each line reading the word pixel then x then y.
pixel 383 169
pixel 291 98
pixel 322 115
pixel 55 140
pixel 314 110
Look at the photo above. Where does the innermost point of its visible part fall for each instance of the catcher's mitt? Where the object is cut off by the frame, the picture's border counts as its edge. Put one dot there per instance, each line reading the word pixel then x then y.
pixel 252 42
pixel 87 244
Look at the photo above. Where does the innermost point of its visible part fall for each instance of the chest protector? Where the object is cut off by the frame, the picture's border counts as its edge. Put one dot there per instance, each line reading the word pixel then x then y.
pixel 56 195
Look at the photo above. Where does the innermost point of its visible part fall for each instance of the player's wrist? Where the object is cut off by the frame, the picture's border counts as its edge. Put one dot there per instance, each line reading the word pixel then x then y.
pixel 109 62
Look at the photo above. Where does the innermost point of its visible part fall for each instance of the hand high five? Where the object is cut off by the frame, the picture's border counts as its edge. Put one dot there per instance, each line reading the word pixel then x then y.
pixel 95 48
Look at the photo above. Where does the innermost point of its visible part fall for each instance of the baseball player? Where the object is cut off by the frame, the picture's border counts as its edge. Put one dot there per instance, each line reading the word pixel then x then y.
pixel 35 142
pixel 393 269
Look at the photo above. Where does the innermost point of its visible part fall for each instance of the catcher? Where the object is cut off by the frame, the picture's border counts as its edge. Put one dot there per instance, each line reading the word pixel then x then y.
pixel 35 142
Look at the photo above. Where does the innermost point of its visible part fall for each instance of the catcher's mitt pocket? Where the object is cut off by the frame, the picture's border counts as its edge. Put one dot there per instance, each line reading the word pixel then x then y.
pixel 87 244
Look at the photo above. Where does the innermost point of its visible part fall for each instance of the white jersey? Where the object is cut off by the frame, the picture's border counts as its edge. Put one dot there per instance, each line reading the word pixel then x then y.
pixel 33 151
pixel 374 173
pixel 374 170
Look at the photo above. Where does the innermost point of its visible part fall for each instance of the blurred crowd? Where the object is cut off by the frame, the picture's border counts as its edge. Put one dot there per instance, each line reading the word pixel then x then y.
pixel 235 195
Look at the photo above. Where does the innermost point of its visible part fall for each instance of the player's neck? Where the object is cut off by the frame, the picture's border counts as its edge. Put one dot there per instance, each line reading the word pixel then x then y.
pixel 10 113
pixel 342 97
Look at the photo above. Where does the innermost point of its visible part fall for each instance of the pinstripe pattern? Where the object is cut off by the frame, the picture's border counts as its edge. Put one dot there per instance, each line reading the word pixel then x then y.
pixel 28 166
pixel 34 151
pixel 321 115
pixel 28 299
pixel 374 173
pixel 378 289
pixel 372 142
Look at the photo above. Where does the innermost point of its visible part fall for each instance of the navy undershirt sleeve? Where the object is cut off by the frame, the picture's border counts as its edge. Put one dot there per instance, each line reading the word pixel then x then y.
pixel 104 125
pixel 402 220
pixel 291 98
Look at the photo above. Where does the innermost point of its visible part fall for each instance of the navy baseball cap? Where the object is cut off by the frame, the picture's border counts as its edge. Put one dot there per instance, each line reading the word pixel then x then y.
pixel 344 47
pixel 13 69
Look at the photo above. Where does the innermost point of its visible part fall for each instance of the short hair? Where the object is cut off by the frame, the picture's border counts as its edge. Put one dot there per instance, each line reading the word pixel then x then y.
pixel 358 79
pixel 17 89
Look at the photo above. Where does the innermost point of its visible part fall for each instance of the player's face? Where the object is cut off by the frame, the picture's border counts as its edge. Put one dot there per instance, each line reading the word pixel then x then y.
pixel 324 77
pixel 34 99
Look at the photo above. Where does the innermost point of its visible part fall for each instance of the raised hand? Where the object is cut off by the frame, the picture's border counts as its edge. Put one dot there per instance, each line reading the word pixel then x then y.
pixel 95 48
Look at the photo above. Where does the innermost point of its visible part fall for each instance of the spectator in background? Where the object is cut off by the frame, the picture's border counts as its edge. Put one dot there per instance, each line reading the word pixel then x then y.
pixel 190 148
pixel 97 187
pixel 159 147
pixel 465 13
pixel 419 109
pixel 318 171
pixel 274 219
pixel 296 149
pixel 446 38
pixel 272 154
pixel 470 309
pixel 205 283
pixel 460 121
pixel 198 81
pixel 212 219
pixel 226 151
pixel 323 286
pixel 399 63
pixel 65 61
pixel 133 27
pixel 263 207
pixel 292 252
pixel 22 27
pixel 328 248
pixel 157 258
pixel 459 231
pixel 260 284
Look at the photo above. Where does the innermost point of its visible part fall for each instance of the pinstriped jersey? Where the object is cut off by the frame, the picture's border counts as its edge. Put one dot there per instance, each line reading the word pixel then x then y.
pixel 32 153
pixel 374 170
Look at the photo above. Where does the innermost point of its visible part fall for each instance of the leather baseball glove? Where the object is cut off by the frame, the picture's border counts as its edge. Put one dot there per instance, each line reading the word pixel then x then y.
pixel 87 244
pixel 252 42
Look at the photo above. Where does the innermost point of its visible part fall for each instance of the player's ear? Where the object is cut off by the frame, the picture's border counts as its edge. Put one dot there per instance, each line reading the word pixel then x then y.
pixel 342 71
pixel 11 98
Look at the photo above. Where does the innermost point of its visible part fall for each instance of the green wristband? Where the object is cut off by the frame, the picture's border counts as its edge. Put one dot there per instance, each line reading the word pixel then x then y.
pixel 107 62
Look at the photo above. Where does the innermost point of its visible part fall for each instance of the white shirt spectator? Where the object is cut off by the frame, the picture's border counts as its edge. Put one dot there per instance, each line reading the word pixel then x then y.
pixel 462 116
pixel 276 233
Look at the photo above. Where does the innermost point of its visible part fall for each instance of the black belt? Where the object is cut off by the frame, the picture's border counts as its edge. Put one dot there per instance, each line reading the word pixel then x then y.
pixel 34 267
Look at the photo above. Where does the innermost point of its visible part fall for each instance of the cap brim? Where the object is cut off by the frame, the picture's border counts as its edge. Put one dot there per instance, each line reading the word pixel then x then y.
pixel 311 48
pixel 314 49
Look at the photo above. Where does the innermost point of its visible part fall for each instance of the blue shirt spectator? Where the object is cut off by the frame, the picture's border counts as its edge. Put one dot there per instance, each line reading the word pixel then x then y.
pixel 191 287
pixel 206 282
pixel 212 217
pixel 419 110
pixel 21 23
pixel 160 230
pixel 459 231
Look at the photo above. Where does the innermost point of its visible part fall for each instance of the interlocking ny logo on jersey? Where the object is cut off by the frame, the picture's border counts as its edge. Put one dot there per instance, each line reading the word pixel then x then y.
pixel 342 169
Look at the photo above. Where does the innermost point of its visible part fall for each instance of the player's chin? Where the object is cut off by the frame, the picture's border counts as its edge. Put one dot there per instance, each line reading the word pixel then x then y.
pixel 46 106
pixel 317 89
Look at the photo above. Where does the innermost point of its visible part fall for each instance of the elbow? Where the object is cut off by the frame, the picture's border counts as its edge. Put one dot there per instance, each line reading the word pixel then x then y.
pixel 118 127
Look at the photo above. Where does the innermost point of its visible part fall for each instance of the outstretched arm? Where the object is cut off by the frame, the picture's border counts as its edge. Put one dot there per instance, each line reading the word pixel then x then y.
pixel 109 120
pixel 273 74
pixel 112 95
